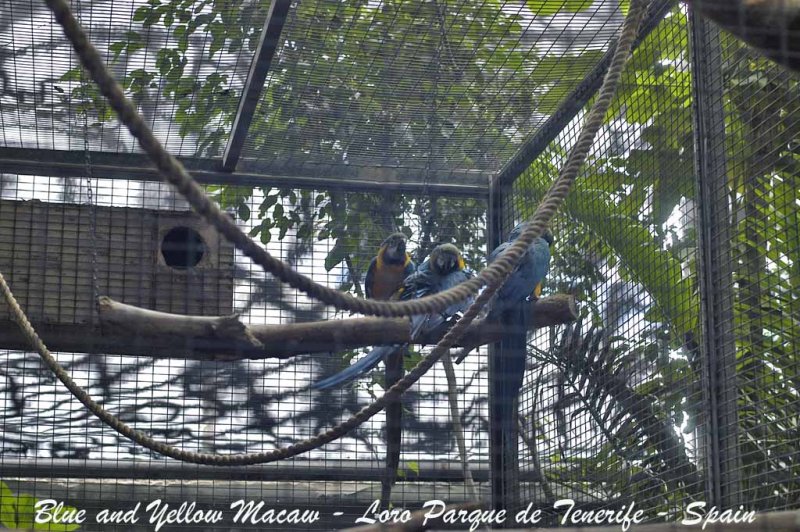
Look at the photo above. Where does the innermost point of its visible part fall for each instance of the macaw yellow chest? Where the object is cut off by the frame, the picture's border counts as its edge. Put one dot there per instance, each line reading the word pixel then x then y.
pixel 388 278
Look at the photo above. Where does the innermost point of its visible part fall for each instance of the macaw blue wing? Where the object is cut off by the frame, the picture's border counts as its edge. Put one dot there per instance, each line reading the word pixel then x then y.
pixel 421 283
pixel 511 306
pixel 410 269
pixel 525 278
pixel 497 251
pixel 370 278
pixel 374 357
pixel 424 283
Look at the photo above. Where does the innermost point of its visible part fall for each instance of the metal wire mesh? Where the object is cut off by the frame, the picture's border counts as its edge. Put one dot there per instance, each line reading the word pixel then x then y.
pixel 677 384
pixel 223 407
pixel 762 131
pixel 642 403
pixel 609 406
pixel 452 98
pixel 439 89
pixel 45 93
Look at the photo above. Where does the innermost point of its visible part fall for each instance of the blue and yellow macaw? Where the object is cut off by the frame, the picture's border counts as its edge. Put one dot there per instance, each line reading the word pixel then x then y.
pixel 385 277
pixel 389 268
pixel 444 269
pixel 511 306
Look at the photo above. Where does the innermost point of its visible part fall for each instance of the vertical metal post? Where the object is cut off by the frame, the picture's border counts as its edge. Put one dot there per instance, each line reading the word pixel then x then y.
pixel 494 218
pixel 714 267
pixel 503 477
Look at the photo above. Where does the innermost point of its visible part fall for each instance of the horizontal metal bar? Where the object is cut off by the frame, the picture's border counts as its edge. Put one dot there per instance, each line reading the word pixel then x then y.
pixel 137 166
pixel 268 43
pixel 573 103
pixel 287 470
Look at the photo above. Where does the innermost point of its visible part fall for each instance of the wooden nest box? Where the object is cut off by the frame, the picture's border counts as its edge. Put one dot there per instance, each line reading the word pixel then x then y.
pixel 171 261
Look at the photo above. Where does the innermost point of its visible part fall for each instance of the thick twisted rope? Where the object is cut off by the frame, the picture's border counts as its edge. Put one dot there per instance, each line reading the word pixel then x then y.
pixel 495 276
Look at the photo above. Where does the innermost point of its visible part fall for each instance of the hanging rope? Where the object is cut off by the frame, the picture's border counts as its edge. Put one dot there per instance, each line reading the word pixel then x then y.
pixel 506 262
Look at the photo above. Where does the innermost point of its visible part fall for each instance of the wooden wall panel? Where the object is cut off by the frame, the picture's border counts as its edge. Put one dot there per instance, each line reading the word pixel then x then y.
pixel 46 252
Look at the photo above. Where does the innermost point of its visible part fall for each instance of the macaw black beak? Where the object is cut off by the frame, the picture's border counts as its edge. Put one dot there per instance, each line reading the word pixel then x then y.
pixel 445 264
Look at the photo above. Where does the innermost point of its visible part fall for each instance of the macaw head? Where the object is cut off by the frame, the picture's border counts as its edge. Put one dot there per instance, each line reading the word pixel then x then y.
pixel 547 236
pixel 446 258
pixel 394 248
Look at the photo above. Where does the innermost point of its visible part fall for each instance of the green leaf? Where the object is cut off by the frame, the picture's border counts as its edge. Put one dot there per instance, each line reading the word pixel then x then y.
pixel 25 511
pixel 335 256
pixel 546 8
pixel 8 507
pixel 266 237
pixel 640 254
pixel 141 13
pixel 116 49
pixel 73 74
pixel 243 211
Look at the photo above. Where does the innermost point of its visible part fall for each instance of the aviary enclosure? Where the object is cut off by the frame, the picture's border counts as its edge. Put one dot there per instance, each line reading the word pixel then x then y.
pixel 662 361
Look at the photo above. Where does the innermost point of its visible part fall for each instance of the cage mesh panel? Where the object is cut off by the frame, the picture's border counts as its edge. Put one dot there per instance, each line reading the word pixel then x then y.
pixel 614 410
pixel 762 136
pixel 45 97
pixel 446 98
pixel 604 427
pixel 341 95
pixel 221 407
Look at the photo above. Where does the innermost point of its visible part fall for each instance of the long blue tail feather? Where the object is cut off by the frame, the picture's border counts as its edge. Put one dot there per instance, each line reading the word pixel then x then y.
pixel 357 369
pixel 508 373
pixel 394 425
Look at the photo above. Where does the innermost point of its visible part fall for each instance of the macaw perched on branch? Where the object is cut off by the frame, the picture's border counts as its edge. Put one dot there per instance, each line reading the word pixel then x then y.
pixel 444 269
pixel 511 306
pixel 385 277
pixel 389 268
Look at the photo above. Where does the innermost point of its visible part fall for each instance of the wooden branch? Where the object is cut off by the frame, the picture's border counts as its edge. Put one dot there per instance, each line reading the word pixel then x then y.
pixel 126 329
pixel 771 26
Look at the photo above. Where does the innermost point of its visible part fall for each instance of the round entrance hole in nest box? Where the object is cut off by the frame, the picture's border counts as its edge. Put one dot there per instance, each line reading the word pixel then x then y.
pixel 182 248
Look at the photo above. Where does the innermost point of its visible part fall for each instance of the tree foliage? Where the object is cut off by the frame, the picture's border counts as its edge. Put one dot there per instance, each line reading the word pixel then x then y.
pixel 622 205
